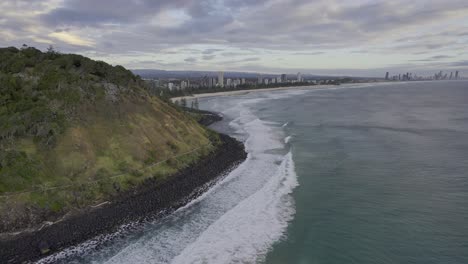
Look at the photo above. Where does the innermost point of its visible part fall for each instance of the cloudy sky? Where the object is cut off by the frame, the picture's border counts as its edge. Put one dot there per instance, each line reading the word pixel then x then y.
pixel 353 37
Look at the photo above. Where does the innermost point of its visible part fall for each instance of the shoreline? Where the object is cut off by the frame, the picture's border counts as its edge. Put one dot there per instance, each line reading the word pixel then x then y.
pixel 240 92
pixel 151 200
pixel 310 87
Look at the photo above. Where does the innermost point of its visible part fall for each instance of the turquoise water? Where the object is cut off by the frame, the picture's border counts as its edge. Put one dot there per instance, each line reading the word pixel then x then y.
pixel 349 174
pixel 383 174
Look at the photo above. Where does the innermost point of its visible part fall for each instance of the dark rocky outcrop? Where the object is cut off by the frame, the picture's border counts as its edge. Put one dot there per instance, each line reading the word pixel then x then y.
pixel 205 118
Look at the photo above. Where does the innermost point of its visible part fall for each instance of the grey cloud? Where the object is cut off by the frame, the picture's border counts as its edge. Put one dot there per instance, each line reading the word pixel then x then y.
pixel 436 58
pixel 420 47
pixel 211 51
pixel 246 23
pixel 379 16
pixel 420 52
pixel 240 61
pixel 64 16
pixel 309 53
pixel 202 25
pixel 209 57
pixel 249 59
pixel 90 12
pixel 234 54
pixel 460 63
pixel 191 60
pixel 242 28
pixel 58 30
pixel 147 62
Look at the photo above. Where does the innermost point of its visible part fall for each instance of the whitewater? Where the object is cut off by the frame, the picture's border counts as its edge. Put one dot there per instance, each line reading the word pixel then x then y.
pixel 237 220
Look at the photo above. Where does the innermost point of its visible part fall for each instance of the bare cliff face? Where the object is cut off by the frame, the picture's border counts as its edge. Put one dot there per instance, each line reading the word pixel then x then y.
pixel 76 132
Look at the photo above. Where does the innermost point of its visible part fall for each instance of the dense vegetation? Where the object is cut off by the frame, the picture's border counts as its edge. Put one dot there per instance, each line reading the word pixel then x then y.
pixel 38 90
pixel 87 126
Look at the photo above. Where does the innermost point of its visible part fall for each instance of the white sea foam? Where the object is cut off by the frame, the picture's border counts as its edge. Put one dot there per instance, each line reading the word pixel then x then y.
pixel 238 219
pixel 245 233
pixel 264 178
pixel 287 139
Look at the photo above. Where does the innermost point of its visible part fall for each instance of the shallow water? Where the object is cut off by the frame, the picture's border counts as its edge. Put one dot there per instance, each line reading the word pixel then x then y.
pixel 354 174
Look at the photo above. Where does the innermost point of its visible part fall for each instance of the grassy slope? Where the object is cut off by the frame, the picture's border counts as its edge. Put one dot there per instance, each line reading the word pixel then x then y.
pixel 102 136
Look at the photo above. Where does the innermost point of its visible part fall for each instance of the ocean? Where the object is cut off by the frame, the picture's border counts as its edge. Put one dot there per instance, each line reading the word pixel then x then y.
pixel 364 173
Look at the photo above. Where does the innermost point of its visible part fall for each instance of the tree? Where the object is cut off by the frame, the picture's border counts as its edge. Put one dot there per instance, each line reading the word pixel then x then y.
pixel 51 52
pixel 51 49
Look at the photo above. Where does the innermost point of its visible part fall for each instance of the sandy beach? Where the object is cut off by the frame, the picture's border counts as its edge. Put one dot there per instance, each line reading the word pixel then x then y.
pixel 311 87
pixel 240 92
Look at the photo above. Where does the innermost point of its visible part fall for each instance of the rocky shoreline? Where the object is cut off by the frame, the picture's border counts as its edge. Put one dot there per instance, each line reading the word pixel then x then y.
pixel 150 199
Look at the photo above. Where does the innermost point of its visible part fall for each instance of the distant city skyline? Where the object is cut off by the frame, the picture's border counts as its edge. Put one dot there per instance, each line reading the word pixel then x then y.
pixel 329 37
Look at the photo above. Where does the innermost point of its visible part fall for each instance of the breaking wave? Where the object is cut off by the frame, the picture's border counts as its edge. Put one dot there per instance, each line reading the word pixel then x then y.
pixel 237 220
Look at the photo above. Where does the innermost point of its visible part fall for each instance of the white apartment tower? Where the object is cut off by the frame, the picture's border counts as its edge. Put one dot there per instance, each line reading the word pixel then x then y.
pixel 299 77
pixel 221 79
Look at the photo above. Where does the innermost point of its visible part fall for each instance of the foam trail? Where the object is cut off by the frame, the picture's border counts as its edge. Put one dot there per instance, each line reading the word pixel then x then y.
pixel 246 232
pixel 262 175
pixel 237 220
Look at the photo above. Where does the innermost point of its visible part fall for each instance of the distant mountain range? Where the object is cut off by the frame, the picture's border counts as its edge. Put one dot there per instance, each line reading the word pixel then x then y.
pixel 150 73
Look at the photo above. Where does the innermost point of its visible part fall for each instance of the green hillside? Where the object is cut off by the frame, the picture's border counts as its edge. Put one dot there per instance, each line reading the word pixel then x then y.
pixel 74 132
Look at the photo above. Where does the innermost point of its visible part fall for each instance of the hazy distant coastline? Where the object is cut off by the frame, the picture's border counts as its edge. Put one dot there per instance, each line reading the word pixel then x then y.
pixel 312 87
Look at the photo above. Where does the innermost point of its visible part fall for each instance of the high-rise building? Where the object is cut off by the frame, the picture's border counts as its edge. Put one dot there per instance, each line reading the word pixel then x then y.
pixel 284 78
pixel 451 75
pixel 204 81
pixel 243 81
pixel 259 79
pixel 237 82
pixel 265 81
pixel 221 79
pixel 228 82
pixel 456 75
pixel 386 76
pixel 299 77
pixel 278 79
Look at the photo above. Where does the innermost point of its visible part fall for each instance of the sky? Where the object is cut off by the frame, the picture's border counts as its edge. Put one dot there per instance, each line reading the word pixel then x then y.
pixel 336 37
